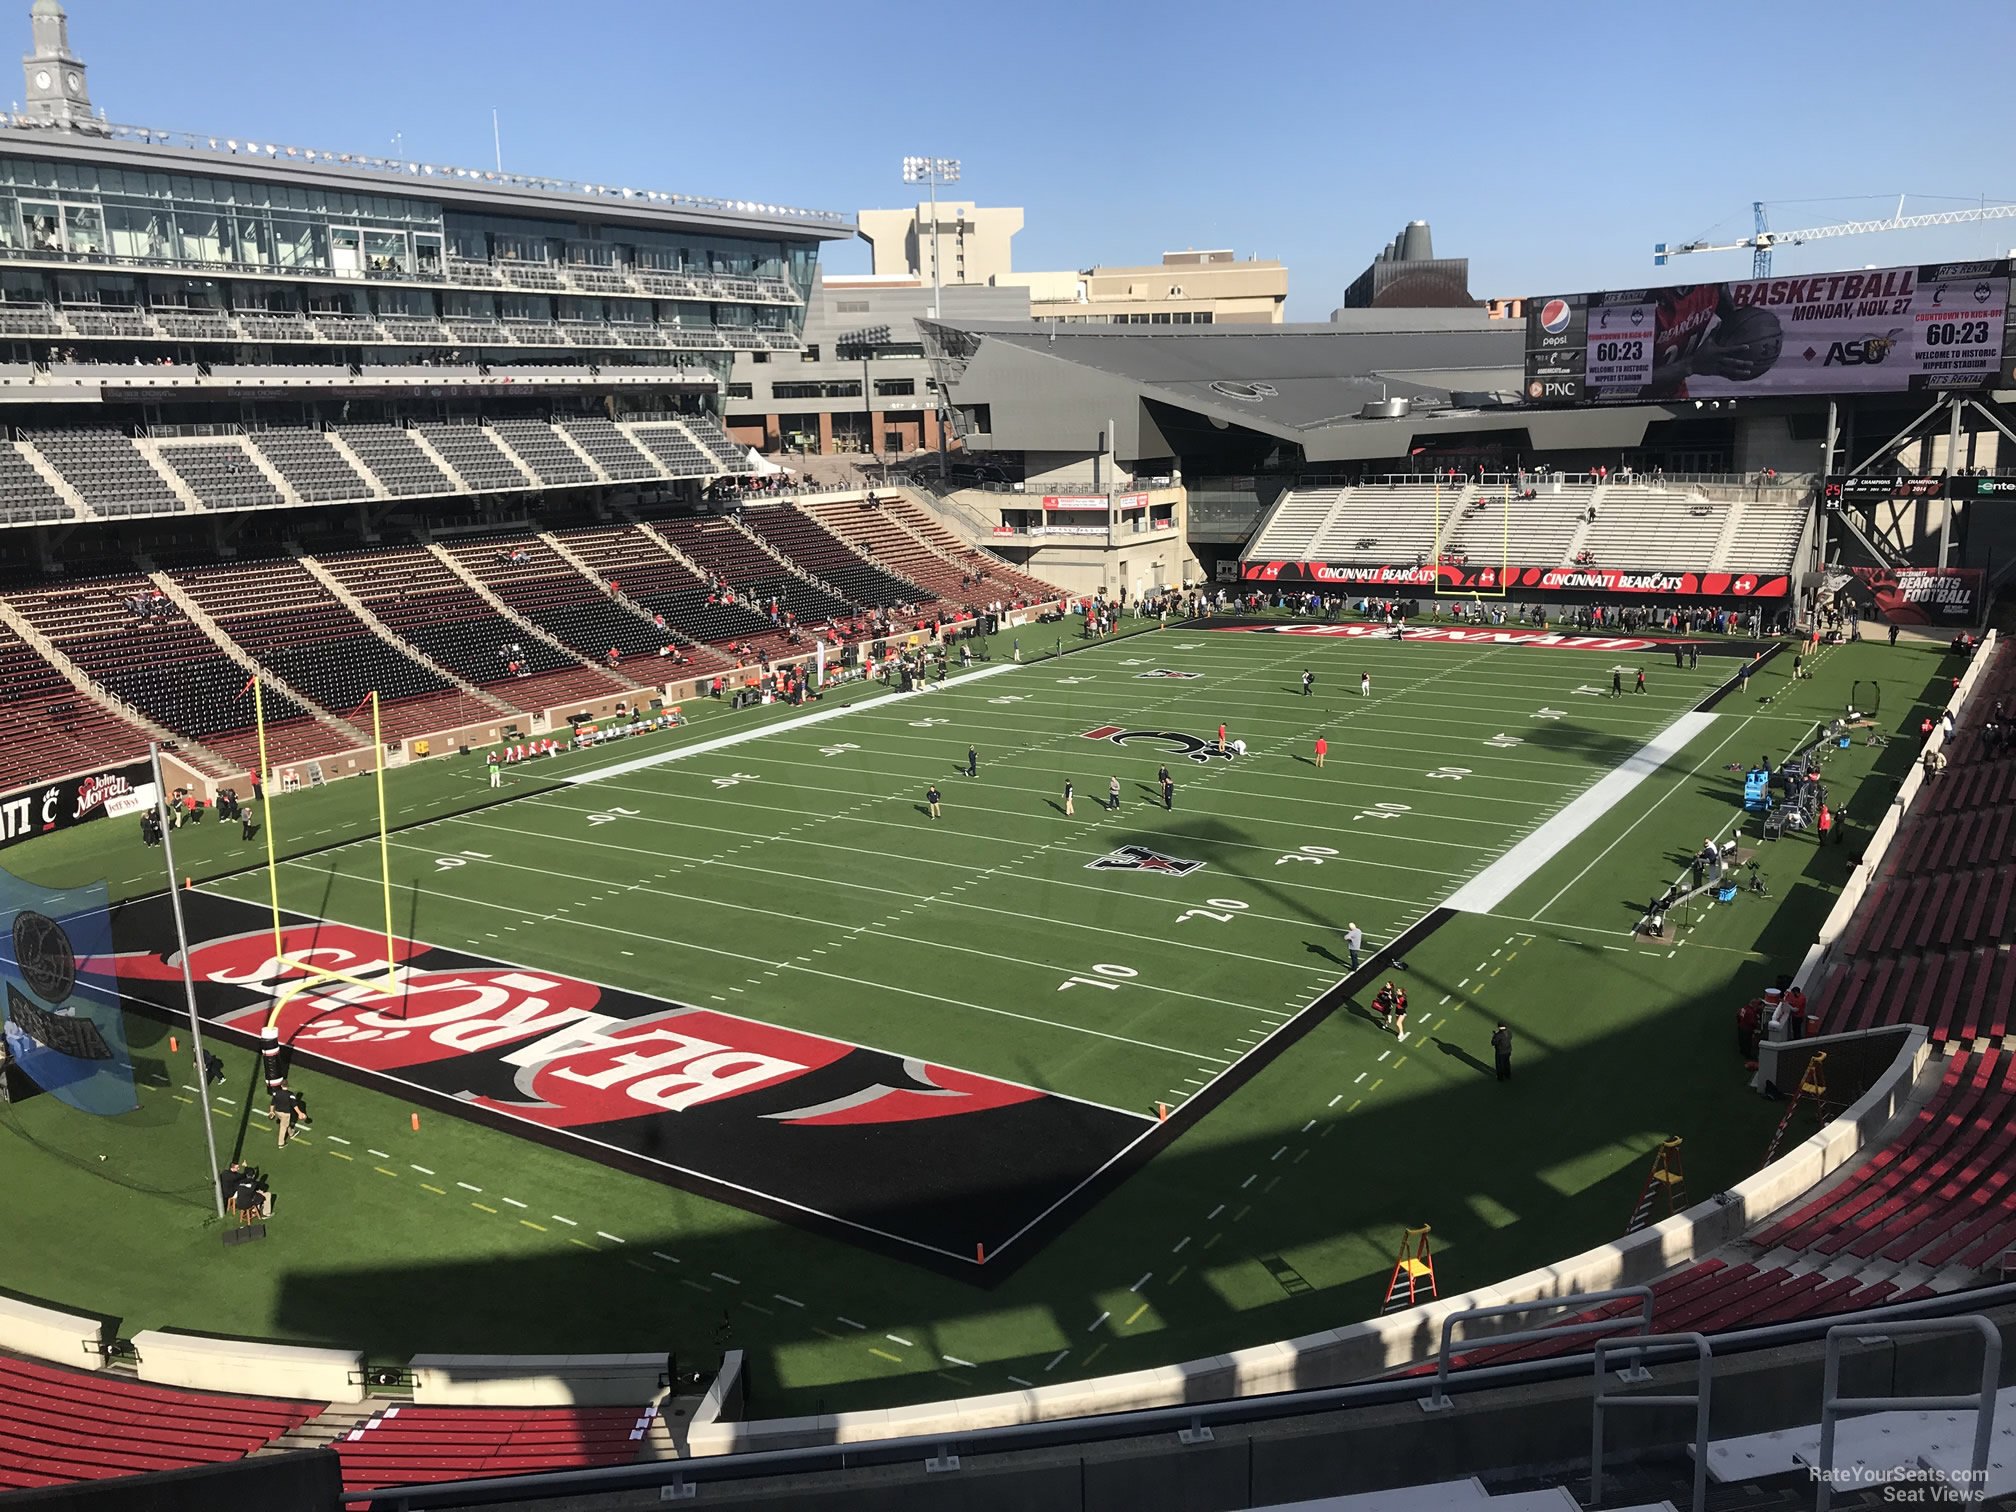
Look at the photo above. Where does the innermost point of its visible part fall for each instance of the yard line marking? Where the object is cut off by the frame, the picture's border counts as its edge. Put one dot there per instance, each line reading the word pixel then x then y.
pixel 1384 1053
pixel 892 1359
pixel 699 1286
pixel 181 1099
pixel 339 1155
pixel 437 1191
pixel 1186 1238
pixel 225 1100
pixel 384 1172
pixel 850 1322
pixel 1361 1076
pixel 1098 1320
pixel 1377 1085
pixel 661 1255
pixel 955 1360
pixel 1340 1096
pixel 1354 1106
pixel 468 1188
pixel 514 1202
pixel 1445 998
pixel 485 1209
pixel 1308 1126
pixel 1278 1153
pixel 1214 1212
pixel 568 1221
pixel 787 1301
pixel 1018 1380
pixel 421 1169
pixel 338 1139
pixel 1146 1277
pixel 899 1339
pixel 531 1225
pixel 1056 1360
pixel 1135 1314
pixel 729 1279
pixel 1249 1181
pixel 381 1154
pixel 610 1237
pixel 1212 1242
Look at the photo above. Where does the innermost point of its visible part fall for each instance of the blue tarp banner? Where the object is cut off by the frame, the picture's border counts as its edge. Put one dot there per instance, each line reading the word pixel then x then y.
pixel 67 1036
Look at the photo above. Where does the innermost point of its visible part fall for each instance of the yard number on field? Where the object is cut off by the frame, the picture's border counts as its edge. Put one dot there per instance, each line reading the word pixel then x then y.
pixel 1316 853
pixel 449 863
pixel 1008 698
pixel 611 815
pixel 838 750
pixel 1230 905
pixel 729 781
pixel 1550 714
pixel 1504 742
pixel 925 724
pixel 1453 774
pixel 1100 978
pixel 1382 811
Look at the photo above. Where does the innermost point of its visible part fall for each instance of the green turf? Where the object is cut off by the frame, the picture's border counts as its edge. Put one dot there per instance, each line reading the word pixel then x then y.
pixel 1276 1215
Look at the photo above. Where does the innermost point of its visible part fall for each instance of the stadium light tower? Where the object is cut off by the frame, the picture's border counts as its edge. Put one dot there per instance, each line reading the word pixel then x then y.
pixel 932 171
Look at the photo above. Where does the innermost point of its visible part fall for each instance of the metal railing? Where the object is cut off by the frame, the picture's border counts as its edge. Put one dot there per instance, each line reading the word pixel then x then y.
pixel 1439 1400
pixel 1635 1373
pixel 1834 1406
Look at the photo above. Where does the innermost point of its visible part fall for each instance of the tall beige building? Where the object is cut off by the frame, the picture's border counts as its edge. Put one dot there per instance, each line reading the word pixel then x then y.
pixel 973 243
pixel 1185 288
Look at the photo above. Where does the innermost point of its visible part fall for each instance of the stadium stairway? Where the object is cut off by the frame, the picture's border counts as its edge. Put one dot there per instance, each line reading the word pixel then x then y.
pixel 600 682
pixel 660 583
pixel 58 484
pixel 867 555
pixel 917 513
pixel 358 607
pixel 53 738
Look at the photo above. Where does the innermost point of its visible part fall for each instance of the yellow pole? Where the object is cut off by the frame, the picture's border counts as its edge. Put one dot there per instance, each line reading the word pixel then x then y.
pixel 266 819
pixel 384 848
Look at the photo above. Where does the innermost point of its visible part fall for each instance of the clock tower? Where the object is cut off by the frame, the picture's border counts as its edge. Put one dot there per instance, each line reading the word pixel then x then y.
pixel 55 79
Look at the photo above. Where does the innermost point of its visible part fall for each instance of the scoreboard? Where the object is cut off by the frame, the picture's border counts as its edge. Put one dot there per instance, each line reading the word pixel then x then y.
pixel 1936 326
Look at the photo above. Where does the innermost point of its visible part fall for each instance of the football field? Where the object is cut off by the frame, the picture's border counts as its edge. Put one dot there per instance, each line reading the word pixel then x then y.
pixel 717 1035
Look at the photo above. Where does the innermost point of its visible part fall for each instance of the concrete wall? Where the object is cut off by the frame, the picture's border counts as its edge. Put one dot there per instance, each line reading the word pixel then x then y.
pixel 614 1380
pixel 200 1363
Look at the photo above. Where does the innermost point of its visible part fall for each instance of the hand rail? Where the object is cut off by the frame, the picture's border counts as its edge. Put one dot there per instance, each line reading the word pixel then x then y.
pixel 1833 1406
pixel 1634 1374
pixel 1440 1400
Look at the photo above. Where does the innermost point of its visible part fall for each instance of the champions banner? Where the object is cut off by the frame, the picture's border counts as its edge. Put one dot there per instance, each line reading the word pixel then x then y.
pixel 51 806
pixel 922 1159
pixel 1455 578
pixel 1927 328
pixel 1920 595
pixel 66 1031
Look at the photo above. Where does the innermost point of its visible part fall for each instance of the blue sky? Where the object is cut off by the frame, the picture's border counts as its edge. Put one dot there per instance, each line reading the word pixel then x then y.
pixel 1552 144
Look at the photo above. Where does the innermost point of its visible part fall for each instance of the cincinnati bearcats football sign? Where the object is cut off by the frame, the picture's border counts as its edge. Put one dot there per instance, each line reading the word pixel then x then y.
pixel 1466 577
pixel 878 1147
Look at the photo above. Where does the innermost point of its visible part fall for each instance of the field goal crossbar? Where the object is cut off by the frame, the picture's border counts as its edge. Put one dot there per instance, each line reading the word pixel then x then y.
pixel 1505 545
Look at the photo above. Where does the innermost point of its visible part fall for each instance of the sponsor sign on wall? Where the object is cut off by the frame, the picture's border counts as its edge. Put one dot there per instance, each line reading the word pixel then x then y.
pixel 1074 501
pixel 1924 328
pixel 50 806
pixel 1460 578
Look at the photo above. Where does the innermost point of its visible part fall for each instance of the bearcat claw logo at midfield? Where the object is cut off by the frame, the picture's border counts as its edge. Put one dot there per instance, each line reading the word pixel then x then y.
pixel 1175 742
pixel 1140 858
pixel 1166 672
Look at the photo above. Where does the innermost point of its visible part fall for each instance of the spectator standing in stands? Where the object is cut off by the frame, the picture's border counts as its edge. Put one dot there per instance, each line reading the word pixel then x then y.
pixel 931 798
pixel 1501 1051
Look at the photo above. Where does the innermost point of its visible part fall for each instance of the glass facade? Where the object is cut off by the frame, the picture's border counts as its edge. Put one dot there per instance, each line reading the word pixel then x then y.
pixel 238 229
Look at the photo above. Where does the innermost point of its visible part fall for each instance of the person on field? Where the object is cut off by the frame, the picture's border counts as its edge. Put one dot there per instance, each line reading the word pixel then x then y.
pixel 932 797
pixel 1168 790
pixel 1322 750
pixel 1113 794
pixel 1364 684
pixel 1069 808
pixel 1354 941
pixel 1501 1051
pixel 972 761
pixel 1616 682
pixel 1640 688
pixel 1308 682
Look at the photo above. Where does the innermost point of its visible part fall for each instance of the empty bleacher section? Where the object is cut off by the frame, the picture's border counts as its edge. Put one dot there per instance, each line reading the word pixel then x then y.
pixel 59 1426
pixel 280 614
pixel 802 536
pixel 541 449
pixel 25 495
pixel 1929 943
pixel 1627 526
pixel 313 468
pixel 613 451
pixel 419 599
pixel 718 547
pixel 396 462
pixel 222 474
pixel 474 455
pixel 53 727
pixel 106 470
pixel 650 575
pixel 410 1446
pixel 715 441
pixel 169 670
pixel 991 574
pixel 675 449
pixel 582 615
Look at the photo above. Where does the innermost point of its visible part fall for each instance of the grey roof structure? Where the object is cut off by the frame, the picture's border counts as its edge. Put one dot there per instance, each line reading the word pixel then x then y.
pixel 1315 386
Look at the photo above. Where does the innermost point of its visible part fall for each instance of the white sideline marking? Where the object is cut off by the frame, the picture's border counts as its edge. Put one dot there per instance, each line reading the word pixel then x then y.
pixel 723 742
pixel 1497 882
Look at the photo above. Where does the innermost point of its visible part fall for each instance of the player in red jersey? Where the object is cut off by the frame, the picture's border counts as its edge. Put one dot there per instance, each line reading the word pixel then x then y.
pixel 1700 330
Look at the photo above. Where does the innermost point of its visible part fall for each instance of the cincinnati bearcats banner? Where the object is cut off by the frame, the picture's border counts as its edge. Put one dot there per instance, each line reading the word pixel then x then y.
pixel 1920 595
pixel 51 806
pixel 1455 635
pixel 1452 577
pixel 894 1153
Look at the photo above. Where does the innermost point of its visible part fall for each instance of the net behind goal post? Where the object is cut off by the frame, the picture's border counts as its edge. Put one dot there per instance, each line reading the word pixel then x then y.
pixel 313 975
pixel 1447 529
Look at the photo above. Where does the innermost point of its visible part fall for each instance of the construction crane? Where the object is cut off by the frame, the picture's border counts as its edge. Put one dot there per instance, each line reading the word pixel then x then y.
pixel 1765 238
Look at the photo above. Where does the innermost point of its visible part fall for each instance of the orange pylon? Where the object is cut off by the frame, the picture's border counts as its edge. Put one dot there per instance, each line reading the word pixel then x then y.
pixel 1413 1272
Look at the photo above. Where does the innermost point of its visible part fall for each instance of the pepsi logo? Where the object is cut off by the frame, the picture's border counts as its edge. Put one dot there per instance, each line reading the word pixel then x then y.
pixel 1554 316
